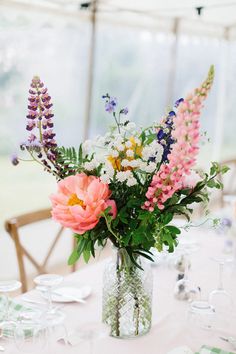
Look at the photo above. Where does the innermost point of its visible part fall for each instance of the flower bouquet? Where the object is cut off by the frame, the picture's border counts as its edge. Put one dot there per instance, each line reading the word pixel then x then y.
pixel 125 187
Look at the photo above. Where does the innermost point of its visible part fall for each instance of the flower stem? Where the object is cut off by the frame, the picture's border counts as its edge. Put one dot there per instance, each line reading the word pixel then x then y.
pixel 118 275
pixel 137 309
pixel 109 227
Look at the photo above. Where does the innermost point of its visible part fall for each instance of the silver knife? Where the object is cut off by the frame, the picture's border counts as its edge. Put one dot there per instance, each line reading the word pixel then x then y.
pixel 230 340
pixel 69 297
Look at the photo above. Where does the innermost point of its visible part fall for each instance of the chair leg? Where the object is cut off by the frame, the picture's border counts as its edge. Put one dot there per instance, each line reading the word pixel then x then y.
pixel 20 260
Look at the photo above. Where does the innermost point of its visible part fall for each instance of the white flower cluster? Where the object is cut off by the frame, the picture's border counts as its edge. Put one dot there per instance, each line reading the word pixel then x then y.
pixel 127 176
pixel 107 172
pixel 120 154
pixel 153 150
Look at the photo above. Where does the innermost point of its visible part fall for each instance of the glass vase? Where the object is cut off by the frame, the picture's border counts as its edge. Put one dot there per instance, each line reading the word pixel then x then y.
pixel 127 297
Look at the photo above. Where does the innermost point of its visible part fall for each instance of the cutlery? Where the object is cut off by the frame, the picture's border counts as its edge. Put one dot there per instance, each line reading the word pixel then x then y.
pixel 230 340
pixel 69 297
pixel 31 301
pixel 57 293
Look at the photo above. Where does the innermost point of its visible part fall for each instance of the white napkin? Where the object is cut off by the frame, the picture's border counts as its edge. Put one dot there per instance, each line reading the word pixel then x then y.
pixel 72 339
pixel 181 350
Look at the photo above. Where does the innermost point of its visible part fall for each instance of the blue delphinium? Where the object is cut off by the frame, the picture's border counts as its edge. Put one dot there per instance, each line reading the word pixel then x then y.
pixel 164 134
pixel 110 103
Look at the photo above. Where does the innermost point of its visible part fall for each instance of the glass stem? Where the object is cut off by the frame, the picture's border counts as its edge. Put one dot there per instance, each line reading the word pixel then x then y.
pixel 50 299
pixel 220 284
pixel 91 346
pixel 118 275
pixel 186 268
pixel 7 307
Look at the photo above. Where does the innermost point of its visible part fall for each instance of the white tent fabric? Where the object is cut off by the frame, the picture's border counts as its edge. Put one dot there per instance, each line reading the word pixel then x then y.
pixel 218 17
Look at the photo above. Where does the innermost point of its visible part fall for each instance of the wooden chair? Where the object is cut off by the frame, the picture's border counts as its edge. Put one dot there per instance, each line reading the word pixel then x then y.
pixel 229 181
pixel 12 227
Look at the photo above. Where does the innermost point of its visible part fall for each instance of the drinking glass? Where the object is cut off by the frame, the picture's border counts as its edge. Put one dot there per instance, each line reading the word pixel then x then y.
pixel 201 315
pixel 185 289
pixel 6 323
pixel 30 333
pixel 219 298
pixel 46 283
pixel 90 332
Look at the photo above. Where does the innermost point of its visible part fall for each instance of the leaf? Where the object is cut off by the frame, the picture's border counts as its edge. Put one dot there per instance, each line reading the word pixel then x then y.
pixel 213 168
pixel 144 255
pixel 224 169
pixel 73 257
pixel 150 138
pixel 126 238
pixel 80 154
pixel 138 236
pixel 167 218
pixel 86 255
pixel 169 241
pixel 81 245
pixel 173 229
pixel 185 191
pixel 211 183
pixel 92 249
pixel 133 260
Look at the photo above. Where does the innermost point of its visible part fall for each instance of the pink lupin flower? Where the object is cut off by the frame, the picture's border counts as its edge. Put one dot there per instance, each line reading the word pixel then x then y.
pixel 183 154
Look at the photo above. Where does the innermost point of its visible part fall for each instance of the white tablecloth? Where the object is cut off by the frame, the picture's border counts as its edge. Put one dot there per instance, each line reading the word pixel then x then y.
pixel 170 326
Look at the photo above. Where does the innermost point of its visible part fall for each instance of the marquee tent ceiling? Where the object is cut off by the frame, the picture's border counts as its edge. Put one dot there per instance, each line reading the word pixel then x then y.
pixel 216 15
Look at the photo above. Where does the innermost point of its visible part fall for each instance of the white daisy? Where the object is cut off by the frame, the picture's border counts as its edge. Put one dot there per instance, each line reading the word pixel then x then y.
pixel 131 182
pixel 130 153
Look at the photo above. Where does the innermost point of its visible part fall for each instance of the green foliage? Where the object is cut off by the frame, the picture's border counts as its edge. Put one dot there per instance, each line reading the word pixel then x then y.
pixel 69 160
pixel 135 230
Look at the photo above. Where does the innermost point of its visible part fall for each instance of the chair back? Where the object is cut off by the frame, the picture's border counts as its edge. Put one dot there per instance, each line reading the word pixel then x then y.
pixel 13 225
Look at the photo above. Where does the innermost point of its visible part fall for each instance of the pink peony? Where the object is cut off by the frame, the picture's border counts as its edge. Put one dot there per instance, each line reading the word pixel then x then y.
pixel 79 202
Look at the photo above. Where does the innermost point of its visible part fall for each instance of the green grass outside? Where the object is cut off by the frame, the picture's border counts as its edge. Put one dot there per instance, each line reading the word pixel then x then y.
pixel 23 188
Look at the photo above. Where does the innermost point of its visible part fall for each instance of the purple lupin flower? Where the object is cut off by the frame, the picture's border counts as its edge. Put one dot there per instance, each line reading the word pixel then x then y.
pixel 41 143
pixel 40 114
pixel 39 118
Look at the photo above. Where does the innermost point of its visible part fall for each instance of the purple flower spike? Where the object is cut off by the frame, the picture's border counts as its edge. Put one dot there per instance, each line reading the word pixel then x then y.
pixel 14 160
pixel 39 114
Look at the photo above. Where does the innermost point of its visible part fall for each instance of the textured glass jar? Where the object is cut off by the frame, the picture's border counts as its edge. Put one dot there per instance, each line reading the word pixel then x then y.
pixel 127 297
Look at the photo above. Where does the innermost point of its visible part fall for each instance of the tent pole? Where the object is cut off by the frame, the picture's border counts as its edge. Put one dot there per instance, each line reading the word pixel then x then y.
pixel 221 96
pixel 91 64
pixel 173 63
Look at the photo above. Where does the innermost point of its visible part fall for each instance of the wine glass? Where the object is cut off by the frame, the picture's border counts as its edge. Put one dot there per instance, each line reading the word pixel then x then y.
pixel 45 283
pixel 219 298
pixel 6 323
pixel 201 314
pixel 92 331
pixel 30 333
pixel 185 289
